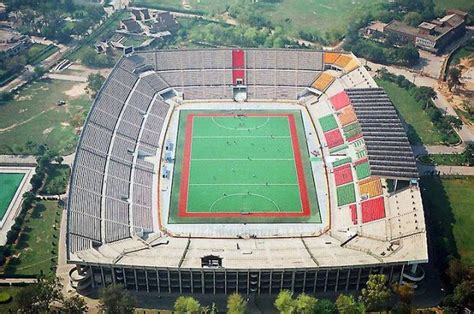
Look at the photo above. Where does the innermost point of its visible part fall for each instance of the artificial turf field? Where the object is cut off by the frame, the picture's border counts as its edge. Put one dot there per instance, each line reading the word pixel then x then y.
pixel 9 183
pixel 243 166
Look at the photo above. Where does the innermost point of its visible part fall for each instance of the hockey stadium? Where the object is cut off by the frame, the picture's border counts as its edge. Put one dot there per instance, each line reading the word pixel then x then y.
pixel 249 170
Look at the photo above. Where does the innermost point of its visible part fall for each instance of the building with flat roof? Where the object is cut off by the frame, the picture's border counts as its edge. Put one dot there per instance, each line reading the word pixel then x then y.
pixel 12 42
pixel 432 36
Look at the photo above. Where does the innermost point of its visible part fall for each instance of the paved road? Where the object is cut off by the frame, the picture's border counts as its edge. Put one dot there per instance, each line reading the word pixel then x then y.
pixel 65 77
pixel 436 149
pixel 445 170
pixel 16 281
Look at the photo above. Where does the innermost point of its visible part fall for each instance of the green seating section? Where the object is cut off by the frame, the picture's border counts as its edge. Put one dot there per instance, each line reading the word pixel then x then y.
pixel 328 123
pixel 362 170
pixel 340 162
pixel 338 149
pixel 346 194
pixel 352 130
pixel 361 154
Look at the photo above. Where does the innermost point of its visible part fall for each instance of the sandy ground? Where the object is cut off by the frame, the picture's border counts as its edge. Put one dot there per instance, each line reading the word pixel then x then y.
pixel 77 90
pixel 458 97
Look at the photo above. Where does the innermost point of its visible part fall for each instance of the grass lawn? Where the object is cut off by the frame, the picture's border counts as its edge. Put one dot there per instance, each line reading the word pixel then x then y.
pixel 34 116
pixel 37 245
pixel 444 159
pixel 56 179
pixel 248 168
pixel 450 202
pixel 420 128
pixel 9 307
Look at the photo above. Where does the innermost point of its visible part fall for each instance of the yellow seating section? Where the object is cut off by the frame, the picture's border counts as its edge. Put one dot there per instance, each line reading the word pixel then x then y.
pixel 352 65
pixel 371 186
pixel 323 81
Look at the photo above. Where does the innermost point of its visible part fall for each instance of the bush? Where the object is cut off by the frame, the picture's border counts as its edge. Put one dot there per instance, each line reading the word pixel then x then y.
pixel 5 297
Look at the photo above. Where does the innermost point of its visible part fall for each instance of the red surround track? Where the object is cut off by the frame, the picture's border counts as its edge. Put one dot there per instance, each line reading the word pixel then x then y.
pixel 184 185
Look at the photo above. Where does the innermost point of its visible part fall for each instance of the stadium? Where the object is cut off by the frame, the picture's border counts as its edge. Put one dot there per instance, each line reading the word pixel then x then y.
pixel 222 170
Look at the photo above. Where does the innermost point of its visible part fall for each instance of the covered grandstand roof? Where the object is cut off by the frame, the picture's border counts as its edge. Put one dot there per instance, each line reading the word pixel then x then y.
pixel 389 151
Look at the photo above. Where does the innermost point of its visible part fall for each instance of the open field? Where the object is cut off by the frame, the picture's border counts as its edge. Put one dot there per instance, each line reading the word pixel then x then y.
pixel 35 116
pixel 420 128
pixel 450 203
pixel 37 245
pixel 238 167
pixel 9 183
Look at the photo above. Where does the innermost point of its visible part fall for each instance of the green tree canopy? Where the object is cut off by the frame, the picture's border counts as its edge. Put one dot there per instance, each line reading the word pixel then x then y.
pixel 325 306
pixel 75 305
pixel 376 294
pixel 187 305
pixel 94 82
pixel 285 303
pixel 236 304
pixel 37 297
pixel 413 19
pixel 115 299
pixel 305 304
pixel 346 304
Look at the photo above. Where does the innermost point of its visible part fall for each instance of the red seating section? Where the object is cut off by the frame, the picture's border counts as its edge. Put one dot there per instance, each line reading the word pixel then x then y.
pixel 238 65
pixel 353 209
pixel 334 138
pixel 343 174
pixel 373 209
pixel 340 101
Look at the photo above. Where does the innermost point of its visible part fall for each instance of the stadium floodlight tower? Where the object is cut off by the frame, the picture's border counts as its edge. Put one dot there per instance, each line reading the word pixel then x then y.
pixel 307 182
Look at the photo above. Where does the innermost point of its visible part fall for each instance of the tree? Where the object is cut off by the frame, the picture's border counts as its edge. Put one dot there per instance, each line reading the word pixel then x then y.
pixel 187 305
pixel 453 121
pixel 236 304
pixel 454 78
pixel 347 305
pixel 305 304
pixel 468 154
pixel 376 293
pixel 285 303
pixel 75 305
pixel 94 82
pixel 413 18
pixel 114 299
pixel 405 293
pixel 37 297
pixel 59 159
pixel 325 306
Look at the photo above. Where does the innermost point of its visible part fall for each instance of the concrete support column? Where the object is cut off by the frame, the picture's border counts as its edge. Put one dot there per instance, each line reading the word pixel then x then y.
pixel 146 280
pixel 158 280
pixel 293 278
pixel 414 268
pixel 348 278
pixel 271 281
pixel 358 279
pixel 180 281
pixel 326 281
pixel 169 280
pixel 136 279
pixel 203 283
pixel 337 281
pixel 315 281
pixel 191 276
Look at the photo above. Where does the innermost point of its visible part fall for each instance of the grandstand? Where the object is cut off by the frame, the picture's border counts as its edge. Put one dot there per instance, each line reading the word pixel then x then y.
pixel 305 178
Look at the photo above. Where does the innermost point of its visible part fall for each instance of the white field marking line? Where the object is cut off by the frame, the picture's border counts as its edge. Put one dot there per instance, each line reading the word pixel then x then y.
pixel 242 159
pixel 251 194
pixel 244 184
pixel 243 136
pixel 241 129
